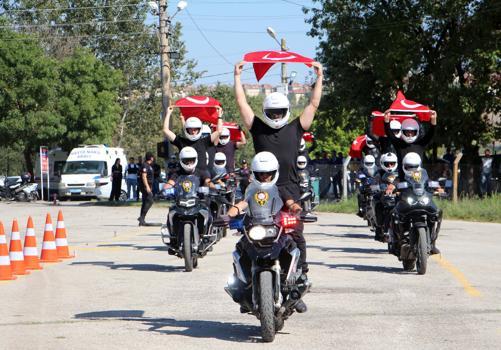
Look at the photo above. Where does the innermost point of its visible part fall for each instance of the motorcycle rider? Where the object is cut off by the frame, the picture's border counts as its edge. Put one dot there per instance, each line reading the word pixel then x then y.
pixel 412 139
pixel 228 147
pixel 264 175
pixel 193 136
pixel 383 143
pixel 275 133
pixel 411 164
pixel 365 175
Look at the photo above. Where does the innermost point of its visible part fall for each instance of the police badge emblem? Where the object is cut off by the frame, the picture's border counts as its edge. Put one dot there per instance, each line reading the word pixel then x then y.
pixel 261 197
pixel 416 176
pixel 186 185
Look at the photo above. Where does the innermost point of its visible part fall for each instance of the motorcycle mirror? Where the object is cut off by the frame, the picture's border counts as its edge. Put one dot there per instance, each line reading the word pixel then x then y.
pixel 203 190
pixel 433 184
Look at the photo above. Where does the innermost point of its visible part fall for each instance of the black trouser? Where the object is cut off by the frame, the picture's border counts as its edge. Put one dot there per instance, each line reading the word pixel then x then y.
pixel 116 188
pixel 293 191
pixel 147 203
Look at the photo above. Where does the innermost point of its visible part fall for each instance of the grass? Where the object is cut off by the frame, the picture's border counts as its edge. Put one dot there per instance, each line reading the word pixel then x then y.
pixel 468 209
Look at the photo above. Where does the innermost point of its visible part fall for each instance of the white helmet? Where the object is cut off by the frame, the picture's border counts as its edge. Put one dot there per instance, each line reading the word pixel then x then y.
pixel 370 164
pixel 301 162
pixel 369 142
pixel 302 145
pixel 188 158
pixel 276 110
pixel 193 123
pixel 264 162
pixel 411 163
pixel 410 130
pixel 220 160
pixel 224 138
pixel 206 130
pixel 389 162
pixel 396 128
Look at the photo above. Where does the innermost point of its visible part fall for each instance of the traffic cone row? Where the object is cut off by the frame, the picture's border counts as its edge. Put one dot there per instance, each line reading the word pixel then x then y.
pixel 18 261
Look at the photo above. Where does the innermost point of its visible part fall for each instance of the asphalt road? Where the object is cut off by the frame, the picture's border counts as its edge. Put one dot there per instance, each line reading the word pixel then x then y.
pixel 123 291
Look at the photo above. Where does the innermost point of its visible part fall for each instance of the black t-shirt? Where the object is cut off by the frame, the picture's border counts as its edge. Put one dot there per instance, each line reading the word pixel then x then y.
pixel 116 172
pixel 229 151
pixel 156 170
pixel 202 175
pixel 201 146
pixel 148 170
pixel 283 143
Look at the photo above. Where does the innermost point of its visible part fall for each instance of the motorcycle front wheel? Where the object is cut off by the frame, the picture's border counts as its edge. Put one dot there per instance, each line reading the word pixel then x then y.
pixel 266 306
pixel 422 251
pixel 21 197
pixel 188 259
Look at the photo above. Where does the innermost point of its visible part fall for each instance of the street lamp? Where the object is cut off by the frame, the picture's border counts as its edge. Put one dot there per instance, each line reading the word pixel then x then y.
pixel 283 47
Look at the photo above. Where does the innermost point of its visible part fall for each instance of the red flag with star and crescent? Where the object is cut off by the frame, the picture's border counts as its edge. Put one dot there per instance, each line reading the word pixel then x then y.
pixel 262 61
pixel 357 146
pixel 401 105
pixel 202 107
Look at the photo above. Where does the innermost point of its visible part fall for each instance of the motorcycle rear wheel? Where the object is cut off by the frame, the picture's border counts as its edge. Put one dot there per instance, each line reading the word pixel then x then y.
pixel 266 306
pixel 188 259
pixel 422 251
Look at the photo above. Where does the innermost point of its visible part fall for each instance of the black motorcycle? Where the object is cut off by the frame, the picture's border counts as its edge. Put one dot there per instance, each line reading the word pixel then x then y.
pixel 415 222
pixel 221 198
pixel 188 232
pixel 267 281
pixel 305 185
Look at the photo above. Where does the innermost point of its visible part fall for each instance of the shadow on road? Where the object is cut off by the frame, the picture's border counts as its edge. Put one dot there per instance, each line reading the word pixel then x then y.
pixel 343 225
pixel 361 268
pixel 138 247
pixel 132 267
pixel 227 331
pixel 349 249
pixel 345 235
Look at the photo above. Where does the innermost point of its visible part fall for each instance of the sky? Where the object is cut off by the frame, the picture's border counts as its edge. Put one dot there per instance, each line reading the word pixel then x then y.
pixel 235 27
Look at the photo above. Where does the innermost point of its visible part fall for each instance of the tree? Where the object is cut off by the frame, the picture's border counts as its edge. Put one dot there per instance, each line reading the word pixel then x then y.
pixel 28 96
pixel 441 53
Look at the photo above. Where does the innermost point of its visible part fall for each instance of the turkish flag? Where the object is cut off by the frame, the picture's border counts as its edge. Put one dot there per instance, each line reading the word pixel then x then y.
pixel 308 137
pixel 401 105
pixel 263 60
pixel 234 129
pixel 357 146
pixel 202 107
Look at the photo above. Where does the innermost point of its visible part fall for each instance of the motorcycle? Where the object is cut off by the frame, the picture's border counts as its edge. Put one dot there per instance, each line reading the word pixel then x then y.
pixel 267 281
pixel 188 231
pixel 381 206
pixel 18 189
pixel 415 222
pixel 305 184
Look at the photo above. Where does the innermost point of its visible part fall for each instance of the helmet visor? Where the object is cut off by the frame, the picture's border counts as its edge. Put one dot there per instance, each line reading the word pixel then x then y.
pixel 276 113
pixel 389 164
pixel 219 162
pixel 301 163
pixel 369 164
pixel 192 131
pixel 188 161
pixel 410 133
pixel 411 167
pixel 264 176
pixel 224 138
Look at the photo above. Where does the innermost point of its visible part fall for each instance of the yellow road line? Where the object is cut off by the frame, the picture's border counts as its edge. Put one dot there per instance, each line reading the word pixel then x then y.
pixel 472 291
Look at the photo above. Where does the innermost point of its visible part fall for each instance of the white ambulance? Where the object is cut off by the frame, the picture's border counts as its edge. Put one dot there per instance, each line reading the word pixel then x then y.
pixel 87 172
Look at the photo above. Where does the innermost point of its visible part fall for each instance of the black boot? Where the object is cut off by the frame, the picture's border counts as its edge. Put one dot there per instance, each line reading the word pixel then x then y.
pixel 434 250
pixel 141 221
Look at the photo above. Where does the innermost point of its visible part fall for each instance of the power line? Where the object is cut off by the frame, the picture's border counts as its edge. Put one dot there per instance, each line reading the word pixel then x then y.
pixel 104 36
pixel 71 8
pixel 56 25
pixel 207 40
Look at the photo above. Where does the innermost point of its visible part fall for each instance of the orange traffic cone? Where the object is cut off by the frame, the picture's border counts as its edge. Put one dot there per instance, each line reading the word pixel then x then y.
pixel 5 268
pixel 30 248
pixel 16 251
pixel 49 252
pixel 61 241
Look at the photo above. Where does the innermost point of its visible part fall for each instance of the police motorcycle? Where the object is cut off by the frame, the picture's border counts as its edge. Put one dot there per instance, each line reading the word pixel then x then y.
pixel 382 203
pixel 305 184
pixel 188 231
pixel 416 219
pixel 366 186
pixel 267 281
pixel 18 188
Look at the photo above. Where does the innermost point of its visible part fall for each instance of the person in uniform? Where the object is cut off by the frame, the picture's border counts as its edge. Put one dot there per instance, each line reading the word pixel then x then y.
pixel 131 173
pixel 228 147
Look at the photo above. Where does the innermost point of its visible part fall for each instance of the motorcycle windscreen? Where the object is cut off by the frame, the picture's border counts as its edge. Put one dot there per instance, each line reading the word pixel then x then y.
pixel 264 203
pixel 418 181
pixel 187 186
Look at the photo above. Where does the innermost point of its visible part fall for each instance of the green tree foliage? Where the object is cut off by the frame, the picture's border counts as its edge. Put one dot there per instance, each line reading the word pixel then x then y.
pixel 441 53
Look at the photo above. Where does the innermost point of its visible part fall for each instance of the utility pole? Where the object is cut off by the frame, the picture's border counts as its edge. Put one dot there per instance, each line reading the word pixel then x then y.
pixel 164 26
pixel 283 47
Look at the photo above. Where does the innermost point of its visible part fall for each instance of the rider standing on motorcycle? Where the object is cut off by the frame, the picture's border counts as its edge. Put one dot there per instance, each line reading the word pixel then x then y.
pixel 276 134
pixel 413 139
pixel 228 147
pixel 193 136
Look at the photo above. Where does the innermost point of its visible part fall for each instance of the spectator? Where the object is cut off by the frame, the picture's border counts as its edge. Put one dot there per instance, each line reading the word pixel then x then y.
pixel 139 183
pixel 131 173
pixel 449 156
pixel 338 179
pixel 486 174
pixel 156 177
pixel 116 180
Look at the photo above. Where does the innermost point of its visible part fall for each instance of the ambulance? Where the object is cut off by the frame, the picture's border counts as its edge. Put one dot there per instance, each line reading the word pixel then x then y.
pixel 87 172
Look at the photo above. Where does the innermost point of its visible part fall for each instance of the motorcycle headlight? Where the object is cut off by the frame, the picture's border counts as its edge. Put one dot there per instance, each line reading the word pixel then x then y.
pixel 258 233
pixel 411 200
pixel 188 202
pixel 425 200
